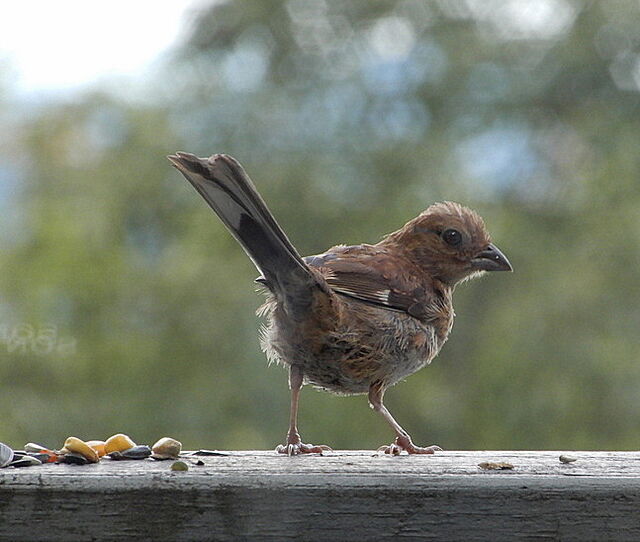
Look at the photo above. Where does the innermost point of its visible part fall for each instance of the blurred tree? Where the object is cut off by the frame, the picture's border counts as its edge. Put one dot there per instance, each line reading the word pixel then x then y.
pixel 351 118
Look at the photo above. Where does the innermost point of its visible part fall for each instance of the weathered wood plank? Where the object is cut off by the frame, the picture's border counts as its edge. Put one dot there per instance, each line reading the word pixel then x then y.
pixel 339 496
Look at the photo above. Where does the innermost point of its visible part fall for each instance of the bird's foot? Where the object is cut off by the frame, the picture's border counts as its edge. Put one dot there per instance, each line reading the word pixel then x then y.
pixel 296 447
pixel 404 443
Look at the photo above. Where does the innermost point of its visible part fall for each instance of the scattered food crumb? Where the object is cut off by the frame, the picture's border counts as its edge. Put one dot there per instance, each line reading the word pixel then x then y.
pixel 495 466
pixel 567 459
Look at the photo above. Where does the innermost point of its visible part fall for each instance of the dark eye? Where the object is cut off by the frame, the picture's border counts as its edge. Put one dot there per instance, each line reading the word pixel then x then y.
pixel 452 237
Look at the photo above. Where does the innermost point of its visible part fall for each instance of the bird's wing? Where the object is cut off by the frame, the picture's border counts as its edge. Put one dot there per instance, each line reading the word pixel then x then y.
pixel 371 277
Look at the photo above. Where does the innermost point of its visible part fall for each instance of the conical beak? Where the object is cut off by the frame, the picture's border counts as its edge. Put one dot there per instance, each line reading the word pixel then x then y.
pixel 491 259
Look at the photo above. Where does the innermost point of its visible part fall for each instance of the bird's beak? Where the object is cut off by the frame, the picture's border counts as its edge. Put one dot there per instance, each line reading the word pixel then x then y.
pixel 491 259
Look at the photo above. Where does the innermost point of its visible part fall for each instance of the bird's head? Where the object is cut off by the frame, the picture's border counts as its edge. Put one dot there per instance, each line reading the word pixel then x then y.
pixel 451 243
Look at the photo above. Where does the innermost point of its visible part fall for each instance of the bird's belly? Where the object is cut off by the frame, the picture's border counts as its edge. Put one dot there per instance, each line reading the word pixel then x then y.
pixel 368 346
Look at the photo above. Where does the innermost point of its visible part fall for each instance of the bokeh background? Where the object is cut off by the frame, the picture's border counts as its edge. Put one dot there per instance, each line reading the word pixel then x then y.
pixel 125 306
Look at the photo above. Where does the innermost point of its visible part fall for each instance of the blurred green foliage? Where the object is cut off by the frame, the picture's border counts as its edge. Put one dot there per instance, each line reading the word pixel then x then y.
pixel 126 307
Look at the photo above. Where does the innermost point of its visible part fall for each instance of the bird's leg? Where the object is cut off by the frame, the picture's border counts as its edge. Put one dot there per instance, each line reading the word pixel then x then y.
pixel 294 445
pixel 403 440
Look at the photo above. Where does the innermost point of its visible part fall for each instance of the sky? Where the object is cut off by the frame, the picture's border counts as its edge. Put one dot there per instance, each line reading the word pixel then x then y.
pixel 68 44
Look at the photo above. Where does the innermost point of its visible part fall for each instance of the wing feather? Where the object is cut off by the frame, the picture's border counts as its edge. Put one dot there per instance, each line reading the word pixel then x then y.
pixel 359 274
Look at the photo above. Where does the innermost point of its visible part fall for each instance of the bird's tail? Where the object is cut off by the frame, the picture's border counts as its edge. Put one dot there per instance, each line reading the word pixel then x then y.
pixel 228 190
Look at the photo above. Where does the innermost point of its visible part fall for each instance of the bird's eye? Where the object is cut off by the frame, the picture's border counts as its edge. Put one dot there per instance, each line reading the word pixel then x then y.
pixel 452 237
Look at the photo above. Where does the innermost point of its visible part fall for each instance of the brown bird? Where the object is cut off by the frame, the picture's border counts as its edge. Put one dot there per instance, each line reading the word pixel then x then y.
pixel 355 319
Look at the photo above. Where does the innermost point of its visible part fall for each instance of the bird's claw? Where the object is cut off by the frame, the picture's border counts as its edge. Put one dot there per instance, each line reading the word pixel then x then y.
pixel 297 448
pixel 404 444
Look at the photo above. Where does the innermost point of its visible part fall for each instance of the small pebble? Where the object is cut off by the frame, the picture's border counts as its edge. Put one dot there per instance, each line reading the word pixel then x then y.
pixel 31 447
pixel 118 443
pixel 6 455
pixel 116 456
pixel 24 461
pixel 77 446
pixel 166 448
pixel 179 466
pixel 44 457
pixel 74 459
pixel 137 452
pixel 567 459
pixel 36 450
pixel 99 446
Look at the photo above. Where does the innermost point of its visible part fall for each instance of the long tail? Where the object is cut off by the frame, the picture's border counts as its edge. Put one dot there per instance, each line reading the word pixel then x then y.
pixel 228 190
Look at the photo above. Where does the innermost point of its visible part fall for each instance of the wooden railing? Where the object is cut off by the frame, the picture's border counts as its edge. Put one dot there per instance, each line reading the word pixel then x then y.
pixel 343 495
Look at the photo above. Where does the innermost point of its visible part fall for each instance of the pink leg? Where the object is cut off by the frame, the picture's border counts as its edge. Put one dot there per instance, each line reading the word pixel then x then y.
pixel 402 440
pixel 294 445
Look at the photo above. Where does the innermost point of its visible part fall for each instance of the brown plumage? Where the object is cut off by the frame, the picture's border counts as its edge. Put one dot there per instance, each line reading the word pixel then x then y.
pixel 355 319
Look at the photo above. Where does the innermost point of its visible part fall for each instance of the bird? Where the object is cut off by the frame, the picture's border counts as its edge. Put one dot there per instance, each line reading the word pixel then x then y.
pixel 355 319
